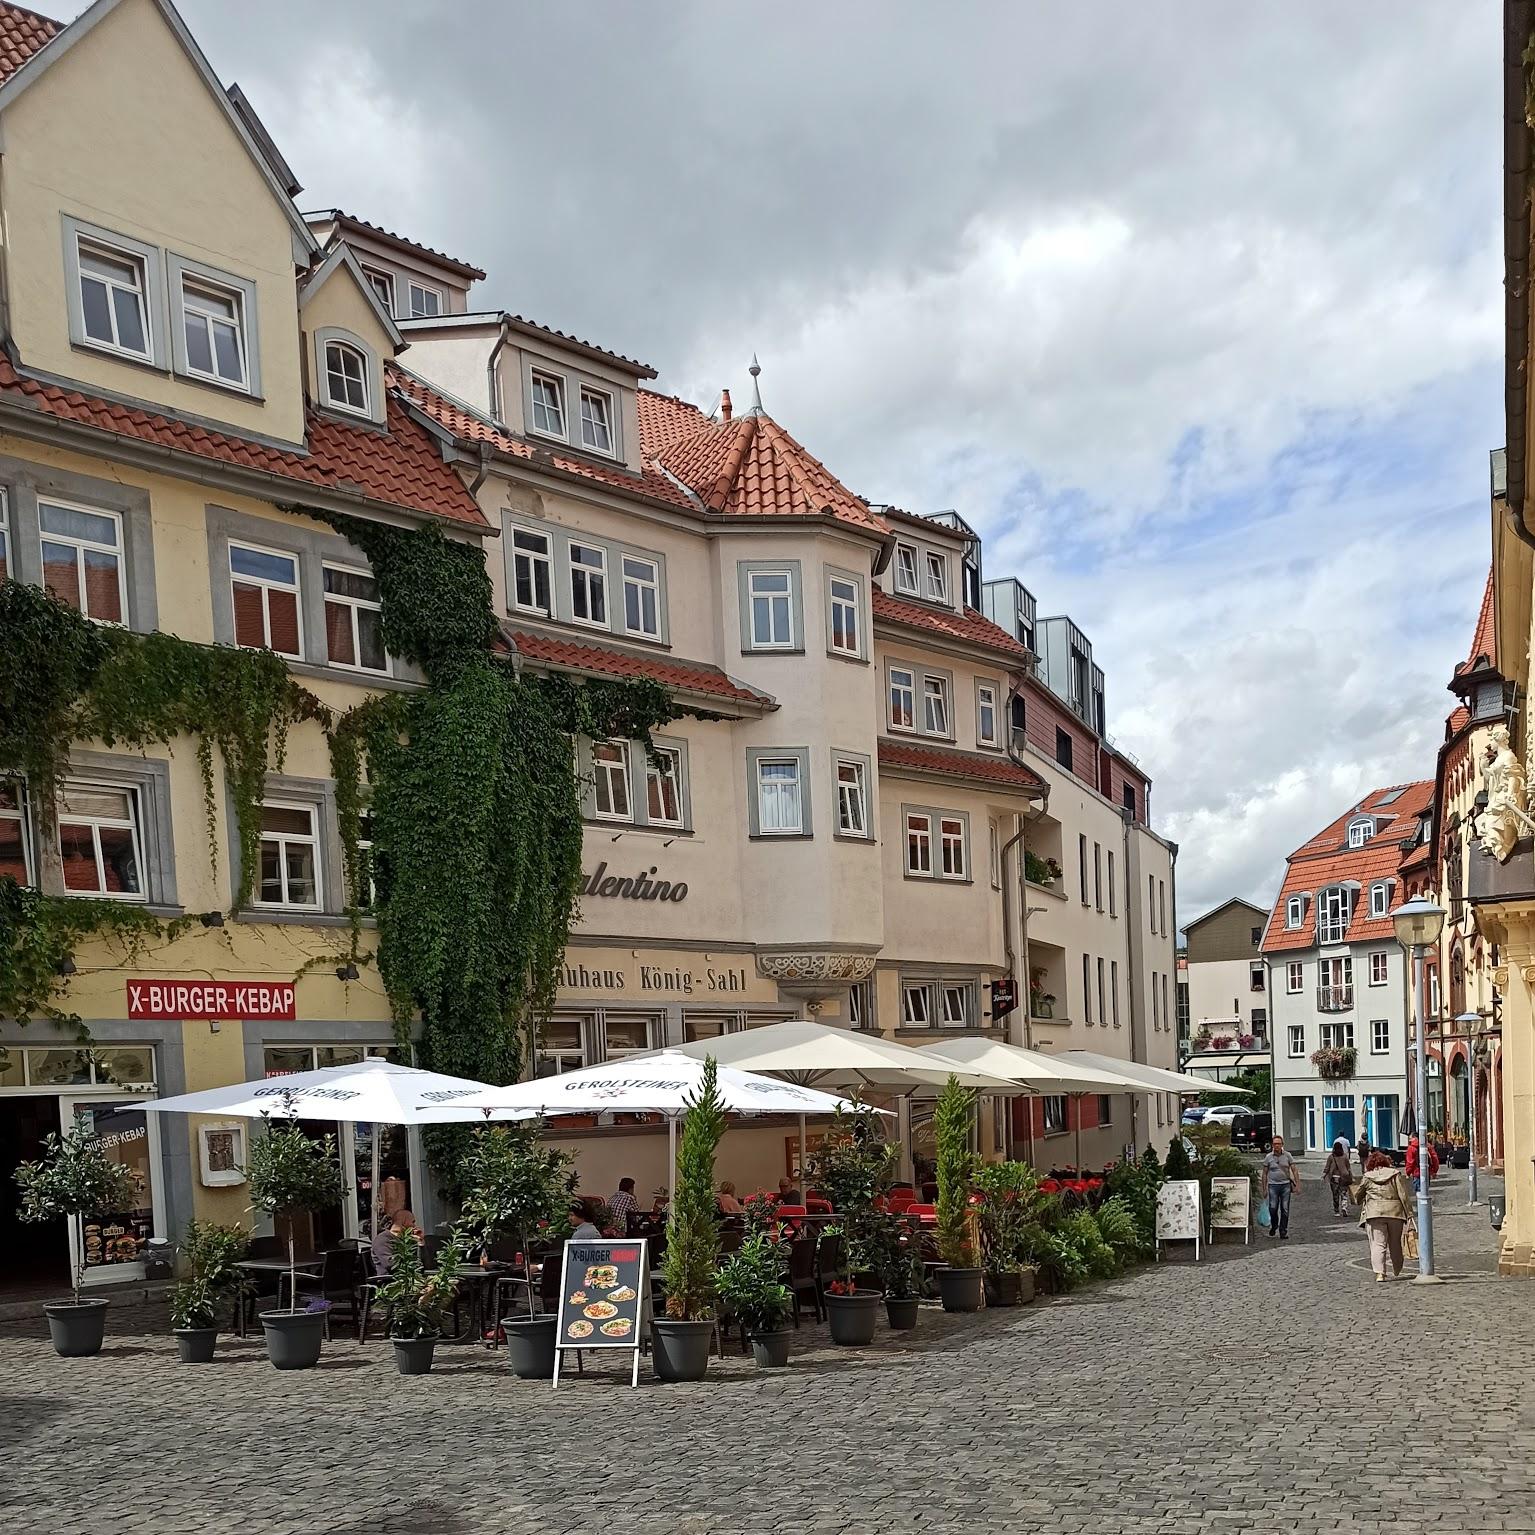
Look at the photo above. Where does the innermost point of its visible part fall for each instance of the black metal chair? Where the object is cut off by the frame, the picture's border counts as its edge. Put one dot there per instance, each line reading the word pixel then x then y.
pixel 340 1283
pixel 828 1264
pixel 802 1276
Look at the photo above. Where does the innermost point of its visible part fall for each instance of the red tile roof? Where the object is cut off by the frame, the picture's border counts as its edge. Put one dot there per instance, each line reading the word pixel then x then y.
pixel 1485 641
pixel 970 627
pixel 1327 860
pixel 978 767
pixel 401 467
pixel 22 33
pixel 348 220
pixel 751 467
pixel 469 426
pixel 664 418
pixel 607 661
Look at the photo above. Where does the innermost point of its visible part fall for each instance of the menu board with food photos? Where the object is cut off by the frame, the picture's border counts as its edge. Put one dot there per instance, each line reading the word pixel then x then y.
pixel 121 1130
pixel 603 1290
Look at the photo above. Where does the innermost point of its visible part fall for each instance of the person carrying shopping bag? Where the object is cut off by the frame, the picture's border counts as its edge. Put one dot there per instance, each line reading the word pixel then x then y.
pixel 1384 1198
pixel 1279 1179
pixel 1338 1170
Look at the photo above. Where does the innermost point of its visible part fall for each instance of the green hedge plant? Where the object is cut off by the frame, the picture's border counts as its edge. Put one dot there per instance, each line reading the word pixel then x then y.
pixel 955 1169
pixel 692 1232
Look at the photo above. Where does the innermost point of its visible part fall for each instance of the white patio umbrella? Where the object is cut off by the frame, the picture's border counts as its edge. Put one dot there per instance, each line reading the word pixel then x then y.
pixel 1152 1079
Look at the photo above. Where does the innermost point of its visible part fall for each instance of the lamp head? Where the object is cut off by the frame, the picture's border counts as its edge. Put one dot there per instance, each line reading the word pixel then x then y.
pixel 1418 922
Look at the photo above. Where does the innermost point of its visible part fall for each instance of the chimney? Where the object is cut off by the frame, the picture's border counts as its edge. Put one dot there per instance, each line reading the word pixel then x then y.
pixel 724 404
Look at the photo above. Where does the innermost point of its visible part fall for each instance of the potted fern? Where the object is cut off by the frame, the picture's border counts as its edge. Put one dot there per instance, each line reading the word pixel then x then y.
pixel 212 1279
pixel 418 1302
pixel 960 1280
pixel 681 1338
pixel 75 1178
pixel 513 1186
pixel 289 1176
pixel 750 1283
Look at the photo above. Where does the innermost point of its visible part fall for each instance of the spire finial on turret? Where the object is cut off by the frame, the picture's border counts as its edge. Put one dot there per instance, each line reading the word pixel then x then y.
pixel 755 370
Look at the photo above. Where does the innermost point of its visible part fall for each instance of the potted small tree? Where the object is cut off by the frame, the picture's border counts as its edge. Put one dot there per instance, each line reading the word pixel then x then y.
pixel 852 1167
pixel 750 1283
pixel 897 1251
pixel 75 1178
pixel 514 1186
pixel 960 1280
pixel 290 1175
pixel 681 1338
pixel 1009 1204
pixel 212 1279
pixel 418 1302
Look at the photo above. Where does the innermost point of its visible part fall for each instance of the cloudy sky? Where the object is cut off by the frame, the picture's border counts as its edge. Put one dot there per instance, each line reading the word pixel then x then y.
pixel 1193 308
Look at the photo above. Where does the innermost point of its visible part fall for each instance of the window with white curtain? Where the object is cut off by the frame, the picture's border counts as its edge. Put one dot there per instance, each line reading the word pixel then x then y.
pixel 779 808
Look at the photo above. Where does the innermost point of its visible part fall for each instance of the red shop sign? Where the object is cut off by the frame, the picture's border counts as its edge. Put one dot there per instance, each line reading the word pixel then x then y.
pixel 211 999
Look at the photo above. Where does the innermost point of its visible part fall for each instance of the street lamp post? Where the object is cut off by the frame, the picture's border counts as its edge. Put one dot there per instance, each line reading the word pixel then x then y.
pixel 1467 1022
pixel 1418 923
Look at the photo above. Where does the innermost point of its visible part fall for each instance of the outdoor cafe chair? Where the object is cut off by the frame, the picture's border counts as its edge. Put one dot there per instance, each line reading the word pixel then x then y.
pixel 340 1283
pixel 802 1280
pixel 828 1261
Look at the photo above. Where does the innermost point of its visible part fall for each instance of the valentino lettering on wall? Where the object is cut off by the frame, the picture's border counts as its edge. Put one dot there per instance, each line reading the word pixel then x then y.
pixel 637 887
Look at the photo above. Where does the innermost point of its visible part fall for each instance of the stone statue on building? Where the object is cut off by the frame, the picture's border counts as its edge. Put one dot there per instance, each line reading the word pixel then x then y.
pixel 1506 817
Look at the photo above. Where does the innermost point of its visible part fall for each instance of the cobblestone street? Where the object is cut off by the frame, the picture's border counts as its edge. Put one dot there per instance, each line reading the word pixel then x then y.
pixel 1270 1389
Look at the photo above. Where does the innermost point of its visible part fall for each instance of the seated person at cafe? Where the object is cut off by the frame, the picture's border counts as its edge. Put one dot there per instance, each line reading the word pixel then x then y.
pixel 584 1231
pixel 624 1206
pixel 383 1243
pixel 728 1203
pixel 787 1193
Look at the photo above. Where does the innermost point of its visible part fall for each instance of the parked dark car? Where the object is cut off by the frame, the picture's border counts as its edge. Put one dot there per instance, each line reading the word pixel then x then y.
pixel 1252 1129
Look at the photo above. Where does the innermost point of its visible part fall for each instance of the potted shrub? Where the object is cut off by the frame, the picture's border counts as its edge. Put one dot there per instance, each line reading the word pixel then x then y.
pixel 75 1178
pixel 291 1175
pixel 682 1337
pixel 418 1302
pixel 852 1166
pixel 750 1282
pixel 1041 1002
pixel 1220 1041
pixel 1010 1202
pixel 212 1280
pixel 960 1280
pixel 513 1187
pixel 897 1253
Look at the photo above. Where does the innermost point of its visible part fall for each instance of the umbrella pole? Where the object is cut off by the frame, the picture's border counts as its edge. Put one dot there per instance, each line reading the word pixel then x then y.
pixel 373 1204
pixel 671 1158
pixel 1079 1097
pixel 804 1192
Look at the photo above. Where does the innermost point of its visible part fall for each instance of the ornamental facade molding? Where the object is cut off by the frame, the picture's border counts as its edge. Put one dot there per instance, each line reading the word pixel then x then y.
pixel 815 967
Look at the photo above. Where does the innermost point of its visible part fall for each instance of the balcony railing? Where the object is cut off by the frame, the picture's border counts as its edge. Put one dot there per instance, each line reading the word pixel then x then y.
pixel 1334 999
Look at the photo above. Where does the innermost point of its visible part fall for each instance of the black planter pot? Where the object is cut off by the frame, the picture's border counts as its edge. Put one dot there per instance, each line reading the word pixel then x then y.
pixel 680 1350
pixel 530 1345
pixel 413 1356
pixel 77 1327
pixel 852 1317
pixel 1460 1156
pixel 195 1345
pixel 902 1314
pixel 293 1338
pixel 1004 1289
pixel 961 1289
pixel 771 1349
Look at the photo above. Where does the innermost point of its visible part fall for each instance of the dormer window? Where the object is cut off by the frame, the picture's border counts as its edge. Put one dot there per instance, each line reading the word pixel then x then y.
pixel 549 404
pixel 1361 830
pixel 1334 908
pixel 215 332
pixel 1295 911
pixel 113 300
pixel 346 378
pixel 382 283
pixel 425 301
pixel 1380 898
pixel 596 420
pixel 937 568
pixel 906 568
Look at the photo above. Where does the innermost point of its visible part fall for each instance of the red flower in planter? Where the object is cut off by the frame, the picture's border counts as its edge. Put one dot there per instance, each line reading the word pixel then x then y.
pixel 842 1287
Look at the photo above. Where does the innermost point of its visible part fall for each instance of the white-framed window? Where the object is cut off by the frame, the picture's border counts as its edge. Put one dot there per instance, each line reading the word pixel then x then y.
pixel 1334 907
pixel 610 775
pixel 532 572
pixel 382 283
pixel 549 404
pixel 1296 1040
pixel 1380 968
pixel 1103 1011
pixel 425 301
pixel 589 585
pixel 994 854
pixel 1087 993
pixel 354 624
pixel 623 1036
pixel 1054 1113
pixel 1112 897
pixel 780 804
pixel 1162 905
pixel 663 787
pixel 1114 990
pixel 365 884
pixel 845 635
pixel 1295 911
pixel 1098 875
pixel 1257 977
pixel 642 596
pixel 1380 898
pixel 5 538
pixel 100 843
pixel 1380 1036
pixel 919 843
pixel 596 420
pixel 903 699
pixel 1360 831
pixel 1338 1035
pixel 15 834
pixel 935 706
pixel 346 378
pixel 560 1047
pixel 264 587
pixel 906 568
pixel 82 551
pixel 988 722
pixel 213 323
pixel 1295 976
pixel 289 874
pixel 852 798
pixel 114 305
pixel 916 1007
pixel 955 859
pixel 936 577
pixel 770 597
pixel 956 1006
pixel 1151 893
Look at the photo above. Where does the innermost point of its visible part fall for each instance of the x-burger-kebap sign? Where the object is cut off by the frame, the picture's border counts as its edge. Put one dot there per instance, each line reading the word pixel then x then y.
pixel 211 999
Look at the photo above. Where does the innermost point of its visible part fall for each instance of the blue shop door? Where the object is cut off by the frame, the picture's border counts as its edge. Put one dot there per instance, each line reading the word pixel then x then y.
pixel 1338 1120
pixel 1380 1118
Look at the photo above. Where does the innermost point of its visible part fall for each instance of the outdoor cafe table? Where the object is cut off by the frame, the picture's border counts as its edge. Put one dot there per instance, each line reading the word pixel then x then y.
pixel 258 1268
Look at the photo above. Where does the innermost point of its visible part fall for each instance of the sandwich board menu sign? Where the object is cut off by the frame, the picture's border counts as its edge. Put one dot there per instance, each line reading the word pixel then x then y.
pixel 1178 1214
pixel 1232 1206
pixel 604 1287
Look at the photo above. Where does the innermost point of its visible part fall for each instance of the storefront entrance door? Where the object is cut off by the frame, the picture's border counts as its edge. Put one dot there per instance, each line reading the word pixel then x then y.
pixel 115 1240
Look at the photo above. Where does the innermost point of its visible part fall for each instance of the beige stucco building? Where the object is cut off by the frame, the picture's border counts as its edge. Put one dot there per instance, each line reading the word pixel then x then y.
pixel 1223 977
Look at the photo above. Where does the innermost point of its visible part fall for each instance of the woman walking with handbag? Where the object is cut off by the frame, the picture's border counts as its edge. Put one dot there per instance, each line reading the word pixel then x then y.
pixel 1339 1173
pixel 1385 1207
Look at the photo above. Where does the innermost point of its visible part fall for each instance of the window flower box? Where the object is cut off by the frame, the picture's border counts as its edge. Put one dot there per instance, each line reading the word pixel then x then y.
pixel 1335 1063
